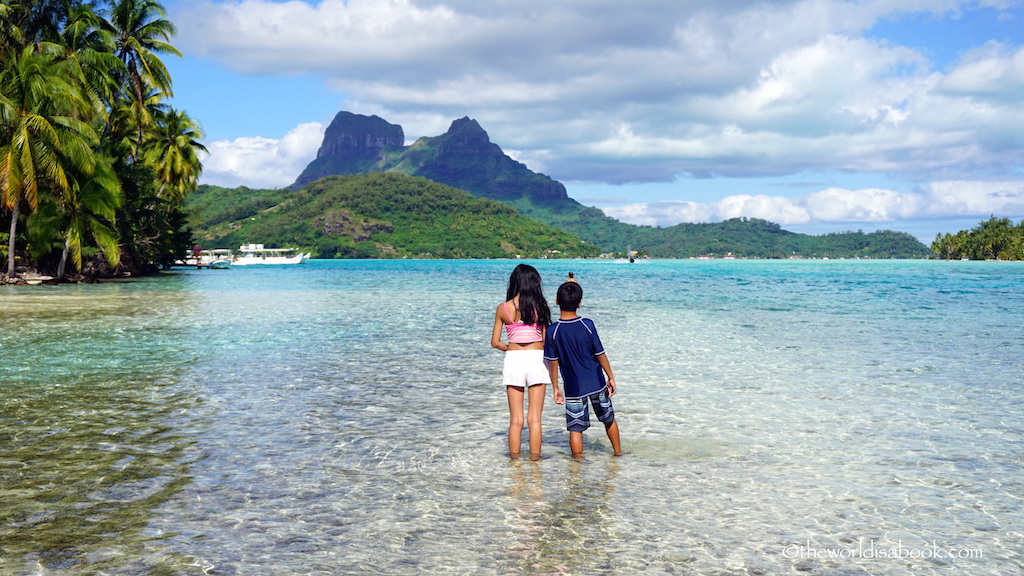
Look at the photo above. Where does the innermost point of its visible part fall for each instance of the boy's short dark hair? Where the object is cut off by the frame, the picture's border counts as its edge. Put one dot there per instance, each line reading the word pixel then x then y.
pixel 569 296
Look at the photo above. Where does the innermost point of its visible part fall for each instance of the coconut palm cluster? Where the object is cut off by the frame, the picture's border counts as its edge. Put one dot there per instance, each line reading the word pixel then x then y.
pixel 94 162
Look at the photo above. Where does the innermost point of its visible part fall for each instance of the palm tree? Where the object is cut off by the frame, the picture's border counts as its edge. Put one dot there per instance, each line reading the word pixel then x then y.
pixel 172 151
pixel 140 33
pixel 41 136
pixel 30 21
pixel 130 125
pixel 10 34
pixel 90 46
pixel 90 207
pixel 67 72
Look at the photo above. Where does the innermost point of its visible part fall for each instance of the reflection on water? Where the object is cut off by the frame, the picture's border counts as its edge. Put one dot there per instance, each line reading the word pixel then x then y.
pixel 92 440
pixel 565 523
pixel 83 467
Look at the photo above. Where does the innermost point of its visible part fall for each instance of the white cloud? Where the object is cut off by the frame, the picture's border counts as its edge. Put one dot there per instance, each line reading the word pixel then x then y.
pixel 262 162
pixel 761 206
pixel 867 205
pixel 990 69
pixel 663 213
pixel 951 199
pixel 298 37
pixel 966 198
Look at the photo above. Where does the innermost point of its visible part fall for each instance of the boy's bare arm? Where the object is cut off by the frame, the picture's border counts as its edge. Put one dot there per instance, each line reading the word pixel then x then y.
pixel 553 372
pixel 603 361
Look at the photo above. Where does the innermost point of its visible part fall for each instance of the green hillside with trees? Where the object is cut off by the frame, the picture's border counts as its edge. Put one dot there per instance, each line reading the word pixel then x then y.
pixel 742 237
pixel 993 239
pixel 389 214
pixel 375 215
pixel 94 163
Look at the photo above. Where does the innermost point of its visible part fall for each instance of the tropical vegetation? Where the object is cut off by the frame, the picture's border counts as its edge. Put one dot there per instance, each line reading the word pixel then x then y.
pixel 741 237
pixel 378 215
pixel 94 163
pixel 993 239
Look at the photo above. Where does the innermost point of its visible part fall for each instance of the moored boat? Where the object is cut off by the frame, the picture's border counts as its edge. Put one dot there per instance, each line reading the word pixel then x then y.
pixel 257 254
pixel 218 259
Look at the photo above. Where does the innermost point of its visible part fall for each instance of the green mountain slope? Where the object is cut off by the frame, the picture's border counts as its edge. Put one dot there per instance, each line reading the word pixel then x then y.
pixel 465 158
pixel 374 215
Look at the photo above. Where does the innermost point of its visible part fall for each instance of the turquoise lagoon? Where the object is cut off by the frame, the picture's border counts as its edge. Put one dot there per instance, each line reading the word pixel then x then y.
pixel 779 417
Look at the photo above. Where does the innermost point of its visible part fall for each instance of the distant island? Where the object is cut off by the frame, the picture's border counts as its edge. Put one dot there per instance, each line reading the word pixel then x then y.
pixel 464 158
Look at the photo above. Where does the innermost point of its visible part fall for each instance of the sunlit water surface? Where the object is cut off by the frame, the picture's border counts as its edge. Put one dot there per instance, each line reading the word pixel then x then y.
pixel 833 418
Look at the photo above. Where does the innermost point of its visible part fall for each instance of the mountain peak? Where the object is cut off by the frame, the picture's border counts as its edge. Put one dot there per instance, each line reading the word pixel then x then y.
pixel 468 131
pixel 352 144
pixel 464 157
pixel 357 136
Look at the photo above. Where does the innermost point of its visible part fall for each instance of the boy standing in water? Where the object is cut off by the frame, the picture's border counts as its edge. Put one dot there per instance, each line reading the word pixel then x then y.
pixel 573 346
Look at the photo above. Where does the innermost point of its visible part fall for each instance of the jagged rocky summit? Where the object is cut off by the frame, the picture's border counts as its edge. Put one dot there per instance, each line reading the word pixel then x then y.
pixel 463 157
pixel 352 144
pixel 355 136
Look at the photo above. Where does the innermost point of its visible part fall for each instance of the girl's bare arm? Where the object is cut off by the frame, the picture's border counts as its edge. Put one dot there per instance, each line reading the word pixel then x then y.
pixel 496 333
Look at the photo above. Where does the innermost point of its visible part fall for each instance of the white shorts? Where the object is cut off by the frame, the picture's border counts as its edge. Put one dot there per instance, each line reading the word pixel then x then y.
pixel 524 368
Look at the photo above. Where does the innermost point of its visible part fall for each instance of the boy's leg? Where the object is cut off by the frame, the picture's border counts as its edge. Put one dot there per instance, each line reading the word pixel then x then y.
pixel 515 420
pixel 612 429
pixel 576 444
pixel 605 412
pixel 577 419
pixel 534 418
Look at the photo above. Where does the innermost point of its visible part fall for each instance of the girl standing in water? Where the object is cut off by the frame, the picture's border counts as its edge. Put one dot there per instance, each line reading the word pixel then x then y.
pixel 525 317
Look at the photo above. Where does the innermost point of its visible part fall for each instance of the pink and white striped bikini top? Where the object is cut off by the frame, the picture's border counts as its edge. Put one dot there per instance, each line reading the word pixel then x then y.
pixel 519 333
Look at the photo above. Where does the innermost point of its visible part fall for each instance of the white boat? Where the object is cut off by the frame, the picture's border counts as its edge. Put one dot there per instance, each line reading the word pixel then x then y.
pixel 34 279
pixel 217 259
pixel 251 254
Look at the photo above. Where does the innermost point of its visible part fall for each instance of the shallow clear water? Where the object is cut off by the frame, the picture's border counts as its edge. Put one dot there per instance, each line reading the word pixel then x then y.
pixel 782 417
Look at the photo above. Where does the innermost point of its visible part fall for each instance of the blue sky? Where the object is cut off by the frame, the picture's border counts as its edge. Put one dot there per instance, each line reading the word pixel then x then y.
pixel 821 115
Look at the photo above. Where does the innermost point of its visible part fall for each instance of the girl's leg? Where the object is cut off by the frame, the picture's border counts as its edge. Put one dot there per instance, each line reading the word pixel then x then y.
pixel 533 418
pixel 515 420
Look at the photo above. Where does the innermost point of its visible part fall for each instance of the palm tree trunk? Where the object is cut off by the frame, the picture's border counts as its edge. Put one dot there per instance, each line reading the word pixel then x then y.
pixel 61 268
pixel 10 241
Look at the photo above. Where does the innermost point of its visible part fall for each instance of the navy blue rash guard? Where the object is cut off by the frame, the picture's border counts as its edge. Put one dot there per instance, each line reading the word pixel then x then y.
pixel 576 346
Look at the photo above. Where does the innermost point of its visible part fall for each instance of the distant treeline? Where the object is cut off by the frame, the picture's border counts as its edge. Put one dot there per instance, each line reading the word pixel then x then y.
pixel 756 238
pixel 743 237
pixel 993 239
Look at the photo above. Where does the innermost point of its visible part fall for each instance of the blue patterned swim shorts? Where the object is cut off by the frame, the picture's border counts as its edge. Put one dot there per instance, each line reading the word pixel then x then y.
pixel 577 411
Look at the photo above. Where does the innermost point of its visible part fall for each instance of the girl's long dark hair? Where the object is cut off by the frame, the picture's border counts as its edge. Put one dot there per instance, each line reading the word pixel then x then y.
pixel 533 308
